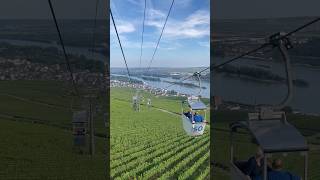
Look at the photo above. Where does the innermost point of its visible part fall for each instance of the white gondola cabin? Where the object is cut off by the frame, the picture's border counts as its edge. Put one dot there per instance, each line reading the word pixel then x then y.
pixel 79 126
pixel 136 103
pixel 274 136
pixel 269 127
pixel 194 116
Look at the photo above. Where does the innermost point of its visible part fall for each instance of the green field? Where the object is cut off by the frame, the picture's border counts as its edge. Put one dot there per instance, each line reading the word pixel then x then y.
pixel 36 137
pixel 152 144
pixel 309 126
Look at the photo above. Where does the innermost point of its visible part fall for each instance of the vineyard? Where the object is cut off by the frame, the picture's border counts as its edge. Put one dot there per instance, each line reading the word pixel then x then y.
pixel 36 137
pixel 151 144
pixel 146 145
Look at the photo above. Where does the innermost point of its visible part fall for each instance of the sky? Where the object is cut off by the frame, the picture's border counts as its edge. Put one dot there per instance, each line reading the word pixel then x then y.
pixel 185 41
pixel 249 9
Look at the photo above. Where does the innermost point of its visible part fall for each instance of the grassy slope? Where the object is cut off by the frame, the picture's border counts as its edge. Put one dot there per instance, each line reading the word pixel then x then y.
pixel 172 104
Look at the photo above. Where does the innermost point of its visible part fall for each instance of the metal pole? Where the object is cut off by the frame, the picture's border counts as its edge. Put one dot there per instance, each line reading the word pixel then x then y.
pixel 199 79
pixel 265 167
pixel 92 148
pixel 231 147
pixel 286 58
pixel 306 166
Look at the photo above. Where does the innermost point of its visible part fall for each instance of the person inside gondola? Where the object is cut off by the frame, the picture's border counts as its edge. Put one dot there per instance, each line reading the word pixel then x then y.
pixel 278 174
pixel 188 114
pixel 254 166
pixel 197 117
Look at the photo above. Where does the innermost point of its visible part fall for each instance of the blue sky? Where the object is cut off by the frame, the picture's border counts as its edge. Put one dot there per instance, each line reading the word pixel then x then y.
pixel 185 42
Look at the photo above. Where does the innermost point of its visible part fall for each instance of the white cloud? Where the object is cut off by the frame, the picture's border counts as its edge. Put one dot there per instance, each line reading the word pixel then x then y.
pixel 197 25
pixel 123 27
pixel 155 18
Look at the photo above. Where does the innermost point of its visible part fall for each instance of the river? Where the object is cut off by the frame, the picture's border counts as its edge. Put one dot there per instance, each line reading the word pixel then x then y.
pixel 305 99
pixel 178 88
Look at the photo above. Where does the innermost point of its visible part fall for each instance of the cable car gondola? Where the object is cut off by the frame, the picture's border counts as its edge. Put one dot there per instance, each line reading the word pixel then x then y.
pixel 136 102
pixel 269 126
pixel 194 113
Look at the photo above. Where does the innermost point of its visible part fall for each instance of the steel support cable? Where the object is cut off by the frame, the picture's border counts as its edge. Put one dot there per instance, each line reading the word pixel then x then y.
pixel 94 31
pixel 241 56
pixel 64 49
pixel 94 28
pixel 141 47
pixel 252 51
pixel 188 77
pixel 300 28
pixel 158 42
pixel 124 58
pixel 143 21
pixel 268 43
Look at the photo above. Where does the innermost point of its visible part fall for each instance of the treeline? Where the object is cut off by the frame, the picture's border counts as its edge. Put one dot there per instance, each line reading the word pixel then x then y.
pixel 185 84
pixel 148 78
pixel 50 56
pixel 125 79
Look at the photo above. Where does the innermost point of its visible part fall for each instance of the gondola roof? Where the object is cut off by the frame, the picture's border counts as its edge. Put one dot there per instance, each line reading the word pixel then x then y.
pixel 274 135
pixel 197 105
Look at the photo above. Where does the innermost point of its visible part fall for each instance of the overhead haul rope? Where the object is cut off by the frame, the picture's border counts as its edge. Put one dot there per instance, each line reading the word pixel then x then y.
pixel 64 50
pixel 142 39
pixel 268 43
pixel 124 58
pixel 251 51
pixel 144 18
pixel 103 84
pixel 94 28
pixel 164 25
pixel 195 74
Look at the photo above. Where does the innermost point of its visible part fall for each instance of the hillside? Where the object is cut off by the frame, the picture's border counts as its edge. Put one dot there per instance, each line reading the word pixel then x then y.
pixel 35 128
pixel 152 143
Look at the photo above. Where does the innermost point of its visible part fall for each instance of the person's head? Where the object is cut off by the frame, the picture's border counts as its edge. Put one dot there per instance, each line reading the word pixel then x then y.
pixel 259 153
pixel 277 164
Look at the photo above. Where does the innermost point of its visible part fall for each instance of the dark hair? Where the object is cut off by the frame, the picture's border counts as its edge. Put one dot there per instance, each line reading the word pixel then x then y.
pixel 277 164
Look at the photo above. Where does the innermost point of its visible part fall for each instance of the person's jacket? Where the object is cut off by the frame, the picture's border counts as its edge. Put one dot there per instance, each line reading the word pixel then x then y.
pixel 198 118
pixel 281 175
